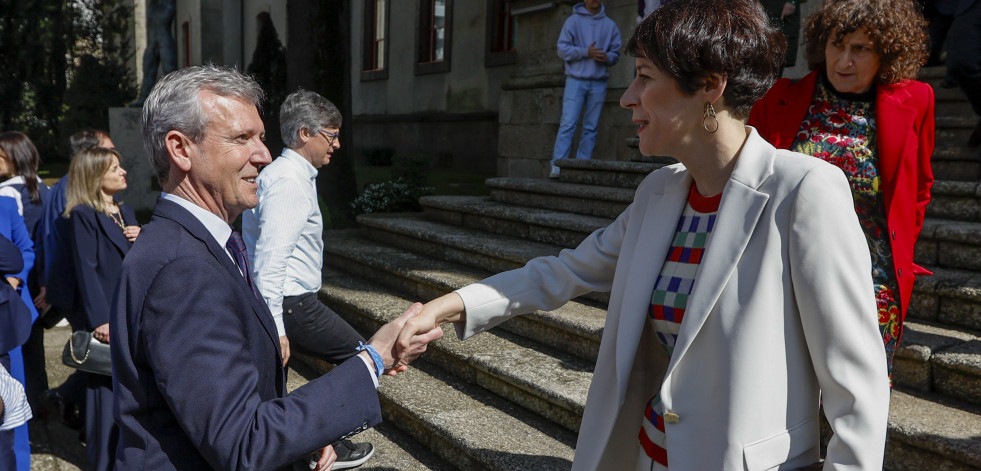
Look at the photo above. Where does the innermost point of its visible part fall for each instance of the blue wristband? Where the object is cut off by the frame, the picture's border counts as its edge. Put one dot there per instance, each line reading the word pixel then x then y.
pixel 375 357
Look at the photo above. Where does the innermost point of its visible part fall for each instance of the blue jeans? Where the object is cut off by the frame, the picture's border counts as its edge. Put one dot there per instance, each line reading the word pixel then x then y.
pixel 581 97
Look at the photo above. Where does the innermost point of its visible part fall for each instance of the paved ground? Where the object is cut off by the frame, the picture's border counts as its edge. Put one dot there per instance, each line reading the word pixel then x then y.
pixel 57 448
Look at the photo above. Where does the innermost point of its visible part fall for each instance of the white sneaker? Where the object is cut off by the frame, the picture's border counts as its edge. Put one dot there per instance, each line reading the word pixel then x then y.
pixel 554 173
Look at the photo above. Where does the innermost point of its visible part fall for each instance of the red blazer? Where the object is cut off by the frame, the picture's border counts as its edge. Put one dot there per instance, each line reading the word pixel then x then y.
pixel 904 136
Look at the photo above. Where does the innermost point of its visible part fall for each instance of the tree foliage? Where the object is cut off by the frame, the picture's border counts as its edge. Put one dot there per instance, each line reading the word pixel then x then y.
pixel 43 42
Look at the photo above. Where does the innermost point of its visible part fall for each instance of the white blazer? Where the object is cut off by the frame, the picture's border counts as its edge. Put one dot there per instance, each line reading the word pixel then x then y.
pixel 782 307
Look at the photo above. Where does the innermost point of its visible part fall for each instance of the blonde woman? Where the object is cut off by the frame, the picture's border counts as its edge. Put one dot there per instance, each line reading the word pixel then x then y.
pixel 101 231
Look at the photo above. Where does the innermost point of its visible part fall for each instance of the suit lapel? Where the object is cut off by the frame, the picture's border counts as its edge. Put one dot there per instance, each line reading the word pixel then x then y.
pixel 894 122
pixel 739 212
pixel 792 108
pixel 113 232
pixel 655 235
pixel 173 211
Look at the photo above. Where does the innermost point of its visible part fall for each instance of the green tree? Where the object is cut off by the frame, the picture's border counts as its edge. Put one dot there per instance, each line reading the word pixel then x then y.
pixel 42 43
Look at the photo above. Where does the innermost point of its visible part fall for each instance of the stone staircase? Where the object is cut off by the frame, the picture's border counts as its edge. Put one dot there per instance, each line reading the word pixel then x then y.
pixel 512 398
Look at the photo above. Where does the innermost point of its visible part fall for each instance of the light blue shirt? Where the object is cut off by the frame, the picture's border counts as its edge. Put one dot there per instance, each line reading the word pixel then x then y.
pixel 16 411
pixel 284 233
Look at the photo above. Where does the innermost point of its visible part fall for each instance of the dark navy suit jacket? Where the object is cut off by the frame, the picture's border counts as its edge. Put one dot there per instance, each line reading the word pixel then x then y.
pixel 15 319
pixel 98 247
pixel 197 372
pixel 59 268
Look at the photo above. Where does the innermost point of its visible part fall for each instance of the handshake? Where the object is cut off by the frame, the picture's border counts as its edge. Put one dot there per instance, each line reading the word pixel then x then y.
pixel 404 339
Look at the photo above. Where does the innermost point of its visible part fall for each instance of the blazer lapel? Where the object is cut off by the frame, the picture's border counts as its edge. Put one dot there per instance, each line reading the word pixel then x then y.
pixel 113 232
pixel 173 211
pixel 655 235
pixel 739 211
pixel 894 125
pixel 792 108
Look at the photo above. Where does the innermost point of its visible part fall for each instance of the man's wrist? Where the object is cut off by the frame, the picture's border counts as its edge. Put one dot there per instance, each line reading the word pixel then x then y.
pixel 376 359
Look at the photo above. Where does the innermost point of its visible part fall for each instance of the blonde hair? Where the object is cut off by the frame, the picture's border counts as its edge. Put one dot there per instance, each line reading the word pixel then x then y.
pixel 85 179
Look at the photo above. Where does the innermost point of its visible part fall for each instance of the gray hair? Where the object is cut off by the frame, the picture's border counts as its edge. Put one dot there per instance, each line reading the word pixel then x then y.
pixel 174 105
pixel 306 109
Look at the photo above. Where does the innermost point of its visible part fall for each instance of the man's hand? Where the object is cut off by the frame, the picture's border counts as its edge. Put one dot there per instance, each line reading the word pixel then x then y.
pixel 327 458
pixel 40 301
pixel 284 348
pixel 788 9
pixel 102 333
pixel 131 232
pixel 384 342
pixel 597 54
pixel 425 327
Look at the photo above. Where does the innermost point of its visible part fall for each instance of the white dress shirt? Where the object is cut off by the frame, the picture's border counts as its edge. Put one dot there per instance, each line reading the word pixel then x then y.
pixel 221 231
pixel 16 411
pixel 284 233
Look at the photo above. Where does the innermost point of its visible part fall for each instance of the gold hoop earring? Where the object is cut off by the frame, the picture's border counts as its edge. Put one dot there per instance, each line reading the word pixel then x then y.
pixel 709 113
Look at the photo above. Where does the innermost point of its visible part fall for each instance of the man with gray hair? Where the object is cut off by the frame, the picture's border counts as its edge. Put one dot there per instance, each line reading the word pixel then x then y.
pixel 284 238
pixel 198 377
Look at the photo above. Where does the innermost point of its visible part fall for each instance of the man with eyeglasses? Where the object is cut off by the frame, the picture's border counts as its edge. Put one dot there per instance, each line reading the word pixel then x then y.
pixel 284 239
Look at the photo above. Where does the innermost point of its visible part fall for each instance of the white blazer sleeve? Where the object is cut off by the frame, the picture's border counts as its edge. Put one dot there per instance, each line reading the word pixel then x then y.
pixel 831 273
pixel 545 283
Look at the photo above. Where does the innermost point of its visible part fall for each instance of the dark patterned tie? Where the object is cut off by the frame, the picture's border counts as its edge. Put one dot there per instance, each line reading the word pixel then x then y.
pixel 236 246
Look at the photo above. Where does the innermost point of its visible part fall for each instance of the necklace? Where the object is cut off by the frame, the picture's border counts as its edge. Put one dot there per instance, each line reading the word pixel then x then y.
pixel 117 217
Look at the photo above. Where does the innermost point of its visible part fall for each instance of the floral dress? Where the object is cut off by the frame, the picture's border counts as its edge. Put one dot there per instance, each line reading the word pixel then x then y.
pixel 840 128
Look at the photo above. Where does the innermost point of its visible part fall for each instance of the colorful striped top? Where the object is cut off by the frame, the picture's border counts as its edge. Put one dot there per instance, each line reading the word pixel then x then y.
pixel 670 298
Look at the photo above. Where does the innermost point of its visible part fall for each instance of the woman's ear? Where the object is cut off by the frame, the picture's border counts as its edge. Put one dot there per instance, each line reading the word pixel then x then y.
pixel 715 86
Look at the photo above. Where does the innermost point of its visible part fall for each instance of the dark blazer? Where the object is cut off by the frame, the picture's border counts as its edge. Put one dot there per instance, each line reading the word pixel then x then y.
pixel 15 319
pixel 98 247
pixel 905 139
pixel 197 370
pixel 59 268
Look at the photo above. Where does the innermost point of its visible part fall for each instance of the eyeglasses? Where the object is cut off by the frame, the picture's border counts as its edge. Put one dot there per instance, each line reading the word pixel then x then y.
pixel 329 135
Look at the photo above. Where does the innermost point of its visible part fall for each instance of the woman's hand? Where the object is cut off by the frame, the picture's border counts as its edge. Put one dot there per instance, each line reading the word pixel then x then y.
pixel 40 301
pixel 13 281
pixel 131 232
pixel 101 333
pixel 424 327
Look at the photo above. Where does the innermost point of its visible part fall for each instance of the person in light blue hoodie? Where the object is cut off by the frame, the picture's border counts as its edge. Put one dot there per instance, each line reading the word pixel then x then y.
pixel 589 44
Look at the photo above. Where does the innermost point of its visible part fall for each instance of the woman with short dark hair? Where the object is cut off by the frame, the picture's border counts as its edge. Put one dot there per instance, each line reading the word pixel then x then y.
pixel 862 110
pixel 739 278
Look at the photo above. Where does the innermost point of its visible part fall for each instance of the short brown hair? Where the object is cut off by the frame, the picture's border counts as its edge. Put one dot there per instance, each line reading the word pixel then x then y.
pixel 897 28
pixel 690 40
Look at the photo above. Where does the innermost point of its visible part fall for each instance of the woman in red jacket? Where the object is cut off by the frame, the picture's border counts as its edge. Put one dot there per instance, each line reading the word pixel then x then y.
pixel 861 110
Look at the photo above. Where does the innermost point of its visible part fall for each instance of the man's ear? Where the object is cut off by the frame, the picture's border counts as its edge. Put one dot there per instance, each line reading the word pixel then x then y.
pixel 715 86
pixel 305 135
pixel 179 147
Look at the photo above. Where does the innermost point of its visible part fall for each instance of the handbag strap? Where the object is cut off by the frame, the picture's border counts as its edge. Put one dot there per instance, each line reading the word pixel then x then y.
pixel 71 349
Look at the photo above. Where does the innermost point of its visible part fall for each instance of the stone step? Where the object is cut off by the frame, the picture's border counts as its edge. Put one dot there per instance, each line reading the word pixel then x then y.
pixel 950 296
pixel 956 164
pixel 575 328
pixel 934 358
pixel 931 432
pixel 953 136
pixel 955 200
pixel 950 244
pixel 591 200
pixel 394 449
pixel 547 381
pixel 492 253
pixel 467 426
pixel 608 173
pixel 540 225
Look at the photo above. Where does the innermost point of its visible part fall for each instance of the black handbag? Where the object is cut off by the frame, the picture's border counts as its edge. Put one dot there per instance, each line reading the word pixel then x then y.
pixel 84 353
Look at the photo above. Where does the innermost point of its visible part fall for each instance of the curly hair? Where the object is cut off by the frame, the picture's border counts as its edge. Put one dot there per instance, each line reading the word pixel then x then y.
pixel 897 28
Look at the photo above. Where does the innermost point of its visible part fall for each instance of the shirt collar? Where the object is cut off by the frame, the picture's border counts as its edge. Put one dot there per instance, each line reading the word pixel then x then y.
pixel 293 156
pixel 215 225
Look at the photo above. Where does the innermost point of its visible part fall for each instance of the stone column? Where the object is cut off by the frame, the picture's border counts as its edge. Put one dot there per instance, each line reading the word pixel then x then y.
pixel 126 131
